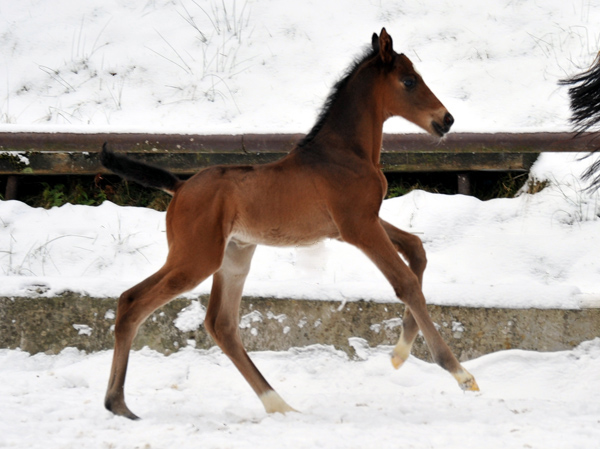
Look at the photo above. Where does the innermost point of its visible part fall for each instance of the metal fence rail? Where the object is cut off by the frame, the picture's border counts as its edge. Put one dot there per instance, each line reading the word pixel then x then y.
pixel 30 154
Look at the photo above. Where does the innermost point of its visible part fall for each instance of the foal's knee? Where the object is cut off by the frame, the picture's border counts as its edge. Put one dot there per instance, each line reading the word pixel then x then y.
pixel 408 290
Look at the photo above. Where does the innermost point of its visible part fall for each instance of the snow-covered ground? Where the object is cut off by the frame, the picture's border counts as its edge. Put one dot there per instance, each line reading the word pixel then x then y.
pixel 266 66
pixel 197 399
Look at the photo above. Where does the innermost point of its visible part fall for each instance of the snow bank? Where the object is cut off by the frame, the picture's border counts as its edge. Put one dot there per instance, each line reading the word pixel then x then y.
pixel 531 251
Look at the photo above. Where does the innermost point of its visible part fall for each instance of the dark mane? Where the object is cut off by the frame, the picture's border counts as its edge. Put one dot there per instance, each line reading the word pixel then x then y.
pixel 334 94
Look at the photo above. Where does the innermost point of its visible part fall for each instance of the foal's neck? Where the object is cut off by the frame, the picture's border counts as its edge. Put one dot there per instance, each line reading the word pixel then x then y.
pixel 356 117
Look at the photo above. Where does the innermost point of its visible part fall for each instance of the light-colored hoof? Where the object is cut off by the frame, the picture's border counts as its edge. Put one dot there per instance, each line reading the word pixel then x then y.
pixel 469 385
pixel 273 403
pixel 466 381
pixel 400 353
pixel 397 361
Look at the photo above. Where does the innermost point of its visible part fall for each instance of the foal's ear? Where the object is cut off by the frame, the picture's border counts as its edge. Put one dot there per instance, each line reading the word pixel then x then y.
pixel 375 42
pixel 386 52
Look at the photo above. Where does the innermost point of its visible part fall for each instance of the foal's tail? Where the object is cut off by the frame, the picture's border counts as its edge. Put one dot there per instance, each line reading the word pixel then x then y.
pixel 139 172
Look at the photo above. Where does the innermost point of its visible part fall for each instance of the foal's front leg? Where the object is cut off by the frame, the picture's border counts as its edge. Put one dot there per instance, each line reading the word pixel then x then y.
pixel 411 247
pixel 372 239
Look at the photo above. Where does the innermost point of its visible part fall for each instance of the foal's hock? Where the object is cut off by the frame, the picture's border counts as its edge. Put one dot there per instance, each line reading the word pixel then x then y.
pixel 329 186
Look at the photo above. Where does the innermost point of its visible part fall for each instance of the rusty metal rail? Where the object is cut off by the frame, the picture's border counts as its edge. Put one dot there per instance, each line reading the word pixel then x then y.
pixel 27 154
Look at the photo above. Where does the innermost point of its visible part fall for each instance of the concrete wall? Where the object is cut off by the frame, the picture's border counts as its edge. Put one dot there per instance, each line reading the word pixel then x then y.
pixel 51 324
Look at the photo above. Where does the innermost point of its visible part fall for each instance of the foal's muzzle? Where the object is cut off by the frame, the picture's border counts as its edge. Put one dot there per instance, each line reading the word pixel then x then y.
pixel 444 127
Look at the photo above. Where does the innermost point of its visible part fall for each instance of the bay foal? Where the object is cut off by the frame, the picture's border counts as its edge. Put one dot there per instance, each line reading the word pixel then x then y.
pixel 329 186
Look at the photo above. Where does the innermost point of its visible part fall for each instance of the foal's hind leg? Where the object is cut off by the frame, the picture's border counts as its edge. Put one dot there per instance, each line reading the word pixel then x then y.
pixel 222 321
pixel 134 306
pixel 411 247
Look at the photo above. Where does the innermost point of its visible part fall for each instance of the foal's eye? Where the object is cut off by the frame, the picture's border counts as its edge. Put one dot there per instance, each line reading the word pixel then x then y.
pixel 409 82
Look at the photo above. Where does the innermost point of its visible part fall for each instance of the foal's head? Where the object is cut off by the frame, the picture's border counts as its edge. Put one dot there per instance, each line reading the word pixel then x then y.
pixel 405 92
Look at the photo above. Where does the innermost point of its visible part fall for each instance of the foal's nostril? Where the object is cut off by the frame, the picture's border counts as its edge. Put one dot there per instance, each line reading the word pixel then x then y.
pixel 448 120
pixel 443 127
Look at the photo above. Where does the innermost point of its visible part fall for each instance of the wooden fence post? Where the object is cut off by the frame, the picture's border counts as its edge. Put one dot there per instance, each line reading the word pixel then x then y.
pixel 12 187
pixel 464 184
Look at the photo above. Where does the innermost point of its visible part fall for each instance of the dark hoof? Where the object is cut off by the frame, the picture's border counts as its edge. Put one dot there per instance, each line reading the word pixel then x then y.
pixel 119 408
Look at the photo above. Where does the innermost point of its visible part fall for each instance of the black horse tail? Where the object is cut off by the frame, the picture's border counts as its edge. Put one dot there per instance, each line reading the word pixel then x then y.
pixel 584 95
pixel 139 172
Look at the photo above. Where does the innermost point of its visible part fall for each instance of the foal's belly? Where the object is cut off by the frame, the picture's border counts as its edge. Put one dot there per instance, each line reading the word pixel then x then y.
pixel 274 237
pixel 294 231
